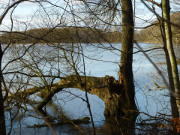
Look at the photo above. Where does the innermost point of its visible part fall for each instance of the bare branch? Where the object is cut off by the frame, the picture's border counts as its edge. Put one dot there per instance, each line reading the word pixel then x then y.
pixel 155 3
pixel 173 24
pixel 9 7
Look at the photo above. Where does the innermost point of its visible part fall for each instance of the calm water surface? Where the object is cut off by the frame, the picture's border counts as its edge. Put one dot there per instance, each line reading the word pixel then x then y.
pixel 103 62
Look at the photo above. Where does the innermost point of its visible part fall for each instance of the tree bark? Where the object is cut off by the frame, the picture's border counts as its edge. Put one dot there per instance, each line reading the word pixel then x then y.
pixel 174 109
pixel 2 118
pixel 126 73
pixel 171 54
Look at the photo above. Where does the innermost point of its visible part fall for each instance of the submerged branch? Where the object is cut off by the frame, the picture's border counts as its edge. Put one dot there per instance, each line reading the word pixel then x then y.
pixel 84 120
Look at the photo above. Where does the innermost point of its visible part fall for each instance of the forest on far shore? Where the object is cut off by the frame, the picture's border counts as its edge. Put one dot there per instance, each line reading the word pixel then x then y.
pixel 70 34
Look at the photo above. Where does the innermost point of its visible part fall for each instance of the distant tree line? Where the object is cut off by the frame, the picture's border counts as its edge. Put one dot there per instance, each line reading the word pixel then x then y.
pixel 152 34
pixel 61 35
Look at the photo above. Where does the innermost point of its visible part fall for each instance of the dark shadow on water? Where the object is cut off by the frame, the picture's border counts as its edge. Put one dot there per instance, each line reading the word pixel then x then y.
pixel 123 128
pixel 106 129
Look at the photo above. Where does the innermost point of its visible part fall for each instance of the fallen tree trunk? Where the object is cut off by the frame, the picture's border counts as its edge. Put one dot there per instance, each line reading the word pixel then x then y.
pixel 106 88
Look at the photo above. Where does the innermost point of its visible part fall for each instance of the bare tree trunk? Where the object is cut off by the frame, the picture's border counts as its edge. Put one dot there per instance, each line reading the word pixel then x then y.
pixel 171 54
pixel 174 108
pixel 126 73
pixel 2 118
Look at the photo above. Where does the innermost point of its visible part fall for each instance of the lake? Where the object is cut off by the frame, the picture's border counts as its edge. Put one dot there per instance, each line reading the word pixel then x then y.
pixel 99 60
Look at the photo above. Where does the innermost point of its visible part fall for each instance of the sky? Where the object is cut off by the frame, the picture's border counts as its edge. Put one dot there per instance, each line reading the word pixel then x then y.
pixel 24 12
